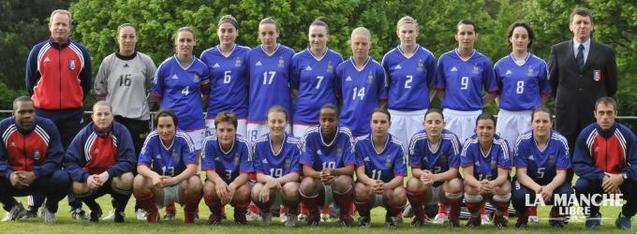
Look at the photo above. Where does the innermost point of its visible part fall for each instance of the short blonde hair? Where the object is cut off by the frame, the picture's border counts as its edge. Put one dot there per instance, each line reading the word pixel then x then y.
pixel 361 30
pixel 406 20
pixel 61 11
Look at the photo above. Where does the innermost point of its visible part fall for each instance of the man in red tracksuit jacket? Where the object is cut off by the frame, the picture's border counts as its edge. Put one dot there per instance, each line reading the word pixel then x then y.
pixel 30 159
pixel 605 159
pixel 58 78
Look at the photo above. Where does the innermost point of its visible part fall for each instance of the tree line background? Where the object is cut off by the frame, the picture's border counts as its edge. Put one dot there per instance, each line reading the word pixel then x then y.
pixel 24 23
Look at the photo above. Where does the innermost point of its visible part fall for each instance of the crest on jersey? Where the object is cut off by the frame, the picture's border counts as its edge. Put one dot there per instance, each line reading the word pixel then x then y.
pixel 370 77
pixel 476 70
pixel 443 159
pixel 175 157
pixel 36 155
pixel 420 65
pixel 237 63
pixel 281 62
pixel 330 67
pixel 530 71
pixel 493 163
pixel 195 78
pixel 551 159
pixel 71 64
pixel 388 161
pixel 236 159
pixel 339 152
pixel 287 163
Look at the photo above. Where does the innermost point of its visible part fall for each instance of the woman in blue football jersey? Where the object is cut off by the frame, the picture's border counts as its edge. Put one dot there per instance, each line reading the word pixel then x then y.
pixel 276 161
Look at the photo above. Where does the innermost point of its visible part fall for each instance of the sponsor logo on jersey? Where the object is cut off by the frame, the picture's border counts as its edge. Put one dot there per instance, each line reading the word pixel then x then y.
pixel 47 60
pixel 216 65
pixel 264 161
pixel 508 72
pixel 454 69
pixel 174 77
pixel 308 68
pixel 36 155
pixel 349 78
pixel 398 67
pixel 281 62
pixel 258 63
pixel 12 144
pixel 71 64
pixel 366 159
pixel 318 152
pixel 531 157
pixel 476 70
pixel 126 65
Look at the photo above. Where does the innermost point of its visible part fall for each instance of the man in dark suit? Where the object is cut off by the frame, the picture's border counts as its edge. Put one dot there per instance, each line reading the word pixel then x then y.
pixel 580 72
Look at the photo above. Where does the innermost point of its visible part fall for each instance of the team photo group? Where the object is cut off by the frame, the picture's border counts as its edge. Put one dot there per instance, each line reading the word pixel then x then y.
pixel 270 131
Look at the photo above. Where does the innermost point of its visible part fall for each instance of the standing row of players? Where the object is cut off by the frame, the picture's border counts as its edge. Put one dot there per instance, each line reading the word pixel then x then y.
pixel 317 170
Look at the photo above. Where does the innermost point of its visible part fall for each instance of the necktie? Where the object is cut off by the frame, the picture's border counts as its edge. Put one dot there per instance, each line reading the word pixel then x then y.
pixel 579 59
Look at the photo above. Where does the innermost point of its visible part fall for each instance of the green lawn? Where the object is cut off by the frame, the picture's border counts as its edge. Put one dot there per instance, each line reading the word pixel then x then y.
pixel 66 225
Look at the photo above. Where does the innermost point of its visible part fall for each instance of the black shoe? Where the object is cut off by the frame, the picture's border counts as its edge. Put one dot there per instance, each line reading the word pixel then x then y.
pixel 119 217
pixel 364 221
pixel 95 215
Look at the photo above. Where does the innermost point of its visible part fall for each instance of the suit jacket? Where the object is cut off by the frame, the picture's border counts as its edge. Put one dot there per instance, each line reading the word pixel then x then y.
pixel 576 91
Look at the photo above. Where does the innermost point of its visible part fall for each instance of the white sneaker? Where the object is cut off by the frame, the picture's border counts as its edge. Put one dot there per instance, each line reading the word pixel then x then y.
pixel 325 217
pixel 140 215
pixel 484 219
pixel 441 218
pixel 47 216
pixel 251 216
pixel 283 217
pixel 16 212
pixel 110 216
pixel 302 217
pixel 533 220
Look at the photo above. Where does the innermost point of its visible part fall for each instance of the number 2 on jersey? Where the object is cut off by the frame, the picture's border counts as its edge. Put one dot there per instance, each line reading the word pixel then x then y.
pixel 408 81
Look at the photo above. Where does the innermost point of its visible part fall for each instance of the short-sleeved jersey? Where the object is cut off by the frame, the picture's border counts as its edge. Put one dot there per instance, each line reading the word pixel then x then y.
pixel 541 165
pixel 228 81
pixel 521 86
pixel 384 165
pixel 436 159
pixel 485 166
pixel 180 89
pixel 227 164
pixel 168 160
pixel 315 79
pixel 269 81
pixel 124 81
pixel 409 78
pixel 463 80
pixel 361 91
pixel 280 164
pixel 320 155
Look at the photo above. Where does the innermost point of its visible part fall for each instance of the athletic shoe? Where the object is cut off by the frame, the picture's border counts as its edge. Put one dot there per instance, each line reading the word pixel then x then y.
pixel 345 220
pixel 110 216
pixel 251 216
pixel 624 223
pixel 418 222
pixel 364 221
pixel 152 216
pixel 555 219
pixel 325 217
pixel 533 220
pixel 95 215
pixel 291 220
pixel 214 219
pixel 474 222
pixel 312 220
pixel 79 214
pixel 140 214
pixel 266 219
pixel 408 212
pixel 170 215
pixel 440 218
pixel 119 217
pixel 47 216
pixel 593 222
pixel 484 219
pixel 500 221
pixel 391 222
pixel 302 217
pixel 240 216
pixel 16 212
pixel 31 213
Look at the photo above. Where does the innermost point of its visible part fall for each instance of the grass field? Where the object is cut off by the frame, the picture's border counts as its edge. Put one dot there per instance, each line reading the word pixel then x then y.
pixel 67 225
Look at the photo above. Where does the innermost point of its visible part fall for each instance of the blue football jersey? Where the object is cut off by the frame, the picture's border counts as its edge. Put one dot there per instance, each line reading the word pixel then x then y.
pixel 315 79
pixel 180 89
pixel 269 81
pixel 521 86
pixel 464 80
pixel 323 155
pixel 277 165
pixel 228 81
pixel 168 160
pixel 485 166
pixel 361 91
pixel 227 164
pixel 384 165
pixel 424 156
pixel 409 79
pixel 540 165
